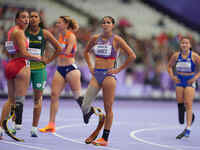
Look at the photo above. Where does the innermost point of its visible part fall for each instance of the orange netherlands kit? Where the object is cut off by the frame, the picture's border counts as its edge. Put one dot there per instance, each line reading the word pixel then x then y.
pixel 64 41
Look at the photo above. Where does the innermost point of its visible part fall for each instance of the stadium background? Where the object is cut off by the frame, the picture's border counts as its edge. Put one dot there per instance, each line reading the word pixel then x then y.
pixel 151 27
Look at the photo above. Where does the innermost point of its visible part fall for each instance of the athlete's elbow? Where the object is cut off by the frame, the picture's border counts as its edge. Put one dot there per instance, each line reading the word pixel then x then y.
pixel 133 57
pixel 86 54
pixel 25 54
pixel 58 50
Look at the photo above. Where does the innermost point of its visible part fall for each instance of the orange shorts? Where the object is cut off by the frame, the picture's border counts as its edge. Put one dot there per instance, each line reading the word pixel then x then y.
pixel 13 67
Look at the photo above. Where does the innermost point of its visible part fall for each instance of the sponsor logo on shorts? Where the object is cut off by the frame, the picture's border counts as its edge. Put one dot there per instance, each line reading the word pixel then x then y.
pixel 38 85
pixel 44 84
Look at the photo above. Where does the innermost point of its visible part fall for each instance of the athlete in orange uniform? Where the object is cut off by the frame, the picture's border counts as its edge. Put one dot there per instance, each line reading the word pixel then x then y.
pixel 67 71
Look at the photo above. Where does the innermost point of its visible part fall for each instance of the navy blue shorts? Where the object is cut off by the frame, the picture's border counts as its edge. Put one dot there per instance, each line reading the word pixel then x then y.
pixel 183 80
pixel 63 70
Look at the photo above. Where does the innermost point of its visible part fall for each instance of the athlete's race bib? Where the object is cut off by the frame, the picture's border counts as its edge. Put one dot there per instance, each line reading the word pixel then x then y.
pixel 34 51
pixel 103 49
pixel 9 45
pixel 63 46
pixel 183 66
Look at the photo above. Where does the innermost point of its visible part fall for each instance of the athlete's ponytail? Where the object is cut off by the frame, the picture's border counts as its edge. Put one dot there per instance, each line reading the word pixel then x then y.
pixel 72 23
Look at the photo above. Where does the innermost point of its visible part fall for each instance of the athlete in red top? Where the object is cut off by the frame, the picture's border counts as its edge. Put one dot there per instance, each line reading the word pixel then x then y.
pixel 17 70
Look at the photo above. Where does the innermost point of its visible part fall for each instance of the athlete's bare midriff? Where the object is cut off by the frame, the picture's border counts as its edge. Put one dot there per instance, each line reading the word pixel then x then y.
pixel 65 61
pixel 102 63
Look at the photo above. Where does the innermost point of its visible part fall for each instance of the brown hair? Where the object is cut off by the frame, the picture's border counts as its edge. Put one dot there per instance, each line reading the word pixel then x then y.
pixel 185 37
pixel 19 12
pixel 111 18
pixel 72 23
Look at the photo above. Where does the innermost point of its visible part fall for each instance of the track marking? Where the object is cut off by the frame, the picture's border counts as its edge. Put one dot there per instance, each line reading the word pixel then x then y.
pixel 23 145
pixel 133 135
pixel 77 141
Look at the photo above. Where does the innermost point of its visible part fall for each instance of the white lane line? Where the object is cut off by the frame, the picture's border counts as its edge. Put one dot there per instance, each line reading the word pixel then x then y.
pixel 23 145
pixel 77 141
pixel 133 135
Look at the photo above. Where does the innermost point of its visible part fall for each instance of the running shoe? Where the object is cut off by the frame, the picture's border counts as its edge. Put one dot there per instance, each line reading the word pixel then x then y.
pixel 48 128
pixel 34 132
pixel 1 133
pixel 18 126
pixel 185 133
pixel 100 142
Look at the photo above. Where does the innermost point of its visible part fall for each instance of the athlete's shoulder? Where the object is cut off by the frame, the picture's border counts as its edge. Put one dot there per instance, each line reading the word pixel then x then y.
pixel 45 31
pixel 18 32
pixel 195 54
pixel 175 55
pixel 118 39
pixel 95 37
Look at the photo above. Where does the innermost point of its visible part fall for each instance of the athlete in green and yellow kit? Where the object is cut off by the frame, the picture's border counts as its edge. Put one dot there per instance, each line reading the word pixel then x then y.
pixel 37 41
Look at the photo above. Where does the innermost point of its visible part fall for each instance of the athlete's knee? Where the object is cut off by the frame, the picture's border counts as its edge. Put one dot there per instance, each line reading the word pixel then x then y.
pixel 76 93
pixel 179 99
pixel 20 99
pixel 108 108
pixel 36 106
pixel 188 105
pixel 11 99
pixel 54 95
pixel 38 102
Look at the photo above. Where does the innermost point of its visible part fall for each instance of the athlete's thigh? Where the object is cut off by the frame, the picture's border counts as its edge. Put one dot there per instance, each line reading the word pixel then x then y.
pixel 74 79
pixel 58 83
pixel 94 83
pixel 22 81
pixel 189 94
pixel 180 94
pixel 108 86
pixel 11 90
pixel 38 79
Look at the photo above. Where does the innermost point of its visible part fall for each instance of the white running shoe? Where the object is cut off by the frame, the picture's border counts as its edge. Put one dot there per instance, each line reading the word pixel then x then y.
pixel 1 133
pixel 18 126
pixel 34 132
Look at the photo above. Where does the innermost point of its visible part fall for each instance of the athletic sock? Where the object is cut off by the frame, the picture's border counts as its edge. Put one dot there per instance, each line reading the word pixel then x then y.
pixel 105 134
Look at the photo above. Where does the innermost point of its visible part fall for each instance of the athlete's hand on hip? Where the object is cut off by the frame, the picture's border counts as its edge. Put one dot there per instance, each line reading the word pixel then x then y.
pixel 91 70
pixel 45 60
pixel 113 71
pixel 38 58
pixel 175 79
pixel 191 80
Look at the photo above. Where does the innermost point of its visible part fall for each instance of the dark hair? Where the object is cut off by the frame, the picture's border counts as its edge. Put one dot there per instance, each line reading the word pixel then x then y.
pixel 19 12
pixel 111 18
pixel 41 24
pixel 185 37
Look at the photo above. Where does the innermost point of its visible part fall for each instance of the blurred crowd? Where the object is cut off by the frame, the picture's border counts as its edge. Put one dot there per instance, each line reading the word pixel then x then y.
pixel 143 77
